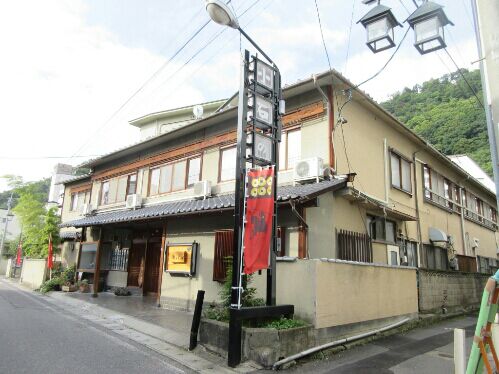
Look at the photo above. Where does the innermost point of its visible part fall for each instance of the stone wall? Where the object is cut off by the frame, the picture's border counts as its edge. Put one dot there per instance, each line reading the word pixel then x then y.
pixel 446 291
pixel 34 272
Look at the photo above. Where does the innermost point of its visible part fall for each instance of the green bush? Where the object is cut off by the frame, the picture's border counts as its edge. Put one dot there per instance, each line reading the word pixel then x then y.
pixel 53 284
pixel 68 275
pixel 283 323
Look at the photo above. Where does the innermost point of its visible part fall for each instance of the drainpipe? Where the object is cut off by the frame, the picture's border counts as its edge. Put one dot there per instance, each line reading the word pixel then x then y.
pixel 335 343
pixel 416 196
pixel 330 119
pixel 386 160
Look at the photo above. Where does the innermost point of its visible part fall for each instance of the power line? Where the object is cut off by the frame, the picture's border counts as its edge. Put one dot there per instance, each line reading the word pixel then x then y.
pixel 387 62
pixel 407 10
pixel 196 33
pixel 43 157
pixel 464 78
pixel 349 36
pixel 322 34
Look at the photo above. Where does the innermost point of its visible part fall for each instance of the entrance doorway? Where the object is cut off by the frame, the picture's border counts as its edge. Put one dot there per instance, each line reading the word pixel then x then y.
pixel 152 267
pixel 136 261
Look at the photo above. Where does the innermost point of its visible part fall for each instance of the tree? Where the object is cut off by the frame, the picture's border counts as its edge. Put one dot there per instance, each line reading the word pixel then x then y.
pixel 37 223
pixel 445 112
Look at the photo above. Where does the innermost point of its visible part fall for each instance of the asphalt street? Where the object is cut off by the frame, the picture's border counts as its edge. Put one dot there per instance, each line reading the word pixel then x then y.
pixel 36 337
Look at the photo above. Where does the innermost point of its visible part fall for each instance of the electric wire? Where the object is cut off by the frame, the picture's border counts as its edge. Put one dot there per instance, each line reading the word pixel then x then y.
pixel 349 38
pixel 387 62
pixel 464 78
pixel 403 5
pixel 322 35
pixel 43 157
pixel 154 75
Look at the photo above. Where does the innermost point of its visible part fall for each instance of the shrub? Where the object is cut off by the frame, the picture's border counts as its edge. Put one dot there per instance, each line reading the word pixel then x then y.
pixel 53 284
pixel 68 275
pixel 284 323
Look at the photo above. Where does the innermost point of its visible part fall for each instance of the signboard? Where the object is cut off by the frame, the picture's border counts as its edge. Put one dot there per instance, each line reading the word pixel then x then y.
pixel 259 219
pixel 263 147
pixel 181 258
pixel 263 110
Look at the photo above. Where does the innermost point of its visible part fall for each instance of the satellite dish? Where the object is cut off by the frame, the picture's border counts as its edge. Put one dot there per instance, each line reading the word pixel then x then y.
pixel 198 111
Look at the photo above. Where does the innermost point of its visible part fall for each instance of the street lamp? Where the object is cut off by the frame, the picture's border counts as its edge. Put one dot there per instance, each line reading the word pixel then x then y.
pixel 428 22
pixel 379 23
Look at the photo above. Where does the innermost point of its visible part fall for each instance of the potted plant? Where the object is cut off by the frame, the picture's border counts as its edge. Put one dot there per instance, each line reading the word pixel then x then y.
pixel 83 286
pixel 68 287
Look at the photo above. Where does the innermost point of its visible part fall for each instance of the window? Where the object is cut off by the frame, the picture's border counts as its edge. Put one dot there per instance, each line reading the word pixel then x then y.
pixel 401 172
pixel 74 202
pixel 448 193
pixel 131 187
pixel 104 193
pixel 427 182
pixel 171 177
pixel 293 148
pixel 224 245
pixel 439 189
pixel 281 241
pixel 178 179
pixel 193 171
pixel 121 188
pixel 227 164
pixel 154 182
pixel 381 229
pixel 434 257
pixel 456 193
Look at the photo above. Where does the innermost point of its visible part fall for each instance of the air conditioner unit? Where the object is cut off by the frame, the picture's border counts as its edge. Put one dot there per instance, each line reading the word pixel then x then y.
pixel 86 209
pixel 133 201
pixel 309 169
pixel 202 189
pixel 475 243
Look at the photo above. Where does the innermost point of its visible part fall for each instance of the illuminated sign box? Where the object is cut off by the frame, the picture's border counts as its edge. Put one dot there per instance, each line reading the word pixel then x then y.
pixel 181 258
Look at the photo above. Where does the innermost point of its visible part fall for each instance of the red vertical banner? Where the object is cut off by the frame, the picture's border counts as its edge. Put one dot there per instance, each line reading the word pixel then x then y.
pixel 258 217
pixel 19 253
pixel 50 260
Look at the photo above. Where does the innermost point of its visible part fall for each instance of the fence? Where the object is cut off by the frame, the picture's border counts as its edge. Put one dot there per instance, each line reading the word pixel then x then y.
pixel 354 246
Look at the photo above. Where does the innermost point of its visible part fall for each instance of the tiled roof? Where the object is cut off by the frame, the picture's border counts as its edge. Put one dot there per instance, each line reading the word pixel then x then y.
pixel 192 206
pixel 65 235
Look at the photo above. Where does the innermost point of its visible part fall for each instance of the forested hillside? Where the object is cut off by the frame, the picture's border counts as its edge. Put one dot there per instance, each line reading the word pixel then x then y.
pixel 445 112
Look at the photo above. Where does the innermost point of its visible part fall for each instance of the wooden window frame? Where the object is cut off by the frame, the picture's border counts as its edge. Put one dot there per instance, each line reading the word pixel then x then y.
pixel 217 266
pixel 74 197
pixel 188 167
pixel 220 158
pixel 401 158
pixel 127 191
pixel 149 180
pixel 172 164
pixel 382 240
pixel 286 153
pixel 101 194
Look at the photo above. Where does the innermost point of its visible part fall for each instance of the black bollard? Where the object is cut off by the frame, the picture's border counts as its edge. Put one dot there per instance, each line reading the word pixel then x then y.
pixel 196 320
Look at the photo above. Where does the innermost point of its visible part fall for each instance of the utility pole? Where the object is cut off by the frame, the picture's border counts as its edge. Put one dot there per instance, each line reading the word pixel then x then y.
pixel 486 18
pixel 9 205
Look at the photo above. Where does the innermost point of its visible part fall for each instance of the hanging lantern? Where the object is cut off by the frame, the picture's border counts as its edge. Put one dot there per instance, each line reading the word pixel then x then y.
pixel 428 22
pixel 379 23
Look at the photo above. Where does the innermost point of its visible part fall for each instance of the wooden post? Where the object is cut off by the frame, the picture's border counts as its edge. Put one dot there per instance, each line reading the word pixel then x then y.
pixel 302 235
pixel 97 264
pixel 161 269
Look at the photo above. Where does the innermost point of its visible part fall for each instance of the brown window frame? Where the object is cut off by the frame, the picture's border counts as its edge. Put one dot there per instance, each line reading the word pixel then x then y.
pixel 400 158
pixel 188 167
pixel 101 195
pixel 74 197
pixel 224 247
pixel 220 158
pixel 127 193
pixel 286 152
pixel 173 163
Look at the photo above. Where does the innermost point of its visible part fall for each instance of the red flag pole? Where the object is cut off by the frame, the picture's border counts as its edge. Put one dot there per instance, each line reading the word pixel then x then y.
pixel 50 263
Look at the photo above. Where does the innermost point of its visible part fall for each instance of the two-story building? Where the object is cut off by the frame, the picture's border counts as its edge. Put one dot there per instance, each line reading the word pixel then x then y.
pixel 354 184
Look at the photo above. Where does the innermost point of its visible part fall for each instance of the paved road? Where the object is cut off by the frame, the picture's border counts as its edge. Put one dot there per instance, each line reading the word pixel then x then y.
pixel 423 350
pixel 37 338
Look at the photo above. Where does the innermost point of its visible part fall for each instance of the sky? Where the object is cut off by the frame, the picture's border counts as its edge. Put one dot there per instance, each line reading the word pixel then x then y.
pixel 73 73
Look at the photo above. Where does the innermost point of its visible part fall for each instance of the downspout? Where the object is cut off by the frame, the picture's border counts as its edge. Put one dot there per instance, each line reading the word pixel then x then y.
pixel 416 196
pixel 386 168
pixel 303 224
pixel 330 119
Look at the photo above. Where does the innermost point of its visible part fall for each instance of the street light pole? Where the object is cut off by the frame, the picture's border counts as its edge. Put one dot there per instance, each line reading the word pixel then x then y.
pixel 9 205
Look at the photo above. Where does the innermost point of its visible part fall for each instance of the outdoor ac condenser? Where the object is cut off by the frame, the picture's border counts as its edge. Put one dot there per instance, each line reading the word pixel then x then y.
pixel 133 201
pixel 202 189
pixel 309 169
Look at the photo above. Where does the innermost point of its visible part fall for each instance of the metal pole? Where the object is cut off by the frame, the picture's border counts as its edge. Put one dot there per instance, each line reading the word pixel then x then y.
pixel 9 204
pixel 256 45
pixel 491 128
pixel 234 352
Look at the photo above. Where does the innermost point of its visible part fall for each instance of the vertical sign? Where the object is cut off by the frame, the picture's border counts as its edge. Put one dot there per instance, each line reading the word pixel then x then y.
pixel 259 219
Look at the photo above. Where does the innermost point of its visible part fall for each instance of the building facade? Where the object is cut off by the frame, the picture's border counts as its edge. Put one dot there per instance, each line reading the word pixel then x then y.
pixel 158 215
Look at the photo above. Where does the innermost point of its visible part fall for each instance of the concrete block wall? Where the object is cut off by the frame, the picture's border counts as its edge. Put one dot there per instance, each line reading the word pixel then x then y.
pixel 449 289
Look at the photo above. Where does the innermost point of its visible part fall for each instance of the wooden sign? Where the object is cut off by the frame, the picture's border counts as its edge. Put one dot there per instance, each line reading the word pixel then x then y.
pixel 181 258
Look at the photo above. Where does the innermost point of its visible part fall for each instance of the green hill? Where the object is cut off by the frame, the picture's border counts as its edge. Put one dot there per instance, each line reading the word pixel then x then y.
pixel 445 112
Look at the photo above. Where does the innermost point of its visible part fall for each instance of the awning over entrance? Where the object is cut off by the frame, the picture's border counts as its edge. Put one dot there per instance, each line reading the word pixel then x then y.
pixel 301 193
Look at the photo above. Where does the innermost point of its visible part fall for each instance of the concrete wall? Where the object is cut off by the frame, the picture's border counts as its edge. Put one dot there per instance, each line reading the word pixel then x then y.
pixel 34 272
pixel 450 290
pixel 319 290
pixel 69 252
